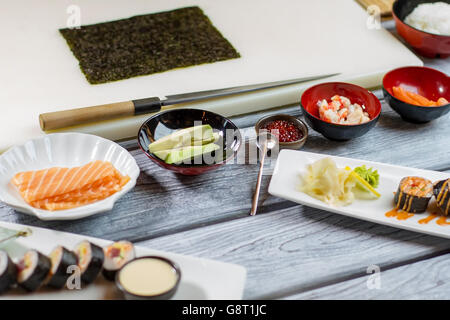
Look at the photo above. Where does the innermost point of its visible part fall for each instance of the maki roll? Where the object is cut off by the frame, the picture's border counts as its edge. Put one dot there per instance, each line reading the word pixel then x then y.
pixel 116 255
pixel 413 194
pixel 90 260
pixel 33 270
pixel 441 191
pixel 8 272
pixel 61 260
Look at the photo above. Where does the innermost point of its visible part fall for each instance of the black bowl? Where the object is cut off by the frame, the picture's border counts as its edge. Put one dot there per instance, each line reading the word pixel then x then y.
pixel 425 43
pixel 356 94
pixel 428 82
pixel 166 122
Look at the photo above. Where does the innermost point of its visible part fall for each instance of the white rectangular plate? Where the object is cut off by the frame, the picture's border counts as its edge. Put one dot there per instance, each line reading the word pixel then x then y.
pixel 291 164
pixel 202 279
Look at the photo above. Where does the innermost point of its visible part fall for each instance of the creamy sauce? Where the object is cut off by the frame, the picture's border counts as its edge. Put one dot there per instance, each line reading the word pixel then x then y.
pixel 148 277
pixel 399 214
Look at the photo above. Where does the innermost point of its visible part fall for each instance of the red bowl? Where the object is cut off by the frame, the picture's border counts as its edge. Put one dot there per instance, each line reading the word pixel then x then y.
pixel 166 122
pixel 428 82
pixel 427 44
pixel 355 93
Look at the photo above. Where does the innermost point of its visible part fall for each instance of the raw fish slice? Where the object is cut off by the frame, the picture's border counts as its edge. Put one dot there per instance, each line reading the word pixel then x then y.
pixel 442 102
pixel 37 185
pixel 421 100
pixel 400 94
pixel 93 192
pixel 416 99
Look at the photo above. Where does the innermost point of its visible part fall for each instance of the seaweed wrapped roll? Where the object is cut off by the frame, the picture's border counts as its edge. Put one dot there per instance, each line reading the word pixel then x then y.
pixel 32 270
pixel 116 255
pixel 90 260
pixel 413 194
pixel 61 260
pixel 8 272
pixel 441 191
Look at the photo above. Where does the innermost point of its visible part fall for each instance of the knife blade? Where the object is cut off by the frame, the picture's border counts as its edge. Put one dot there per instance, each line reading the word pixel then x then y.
pixel 72 117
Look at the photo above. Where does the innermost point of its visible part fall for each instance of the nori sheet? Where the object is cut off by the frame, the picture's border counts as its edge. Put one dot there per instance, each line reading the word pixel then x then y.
pixel 147 44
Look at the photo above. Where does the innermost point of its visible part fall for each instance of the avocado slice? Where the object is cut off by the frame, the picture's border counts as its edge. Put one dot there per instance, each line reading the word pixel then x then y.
pixel 215 137
pixel 183 138
pixel 181 154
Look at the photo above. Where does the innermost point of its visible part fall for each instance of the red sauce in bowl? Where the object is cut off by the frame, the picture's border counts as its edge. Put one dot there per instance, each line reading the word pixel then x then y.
pixel 284 130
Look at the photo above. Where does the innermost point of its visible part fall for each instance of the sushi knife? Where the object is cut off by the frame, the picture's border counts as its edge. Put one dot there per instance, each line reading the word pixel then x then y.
pixel 72 117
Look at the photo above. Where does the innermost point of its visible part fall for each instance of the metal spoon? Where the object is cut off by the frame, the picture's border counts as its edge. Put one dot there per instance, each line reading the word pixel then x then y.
pixel 265 141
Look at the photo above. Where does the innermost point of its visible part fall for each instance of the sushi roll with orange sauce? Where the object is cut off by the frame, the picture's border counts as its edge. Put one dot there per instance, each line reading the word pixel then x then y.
pixel 413 194
pixel 441 191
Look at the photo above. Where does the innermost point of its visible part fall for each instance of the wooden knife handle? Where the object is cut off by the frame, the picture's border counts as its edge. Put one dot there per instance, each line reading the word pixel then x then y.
pixel 73 117
pixel 68 118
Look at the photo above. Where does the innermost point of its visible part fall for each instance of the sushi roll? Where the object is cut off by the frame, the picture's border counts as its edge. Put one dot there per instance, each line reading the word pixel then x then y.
pixel 90 260
pixel 61 260
pixel 116 255
pixel 441 191
pixel 33 270
pixel 8 272
pixel 413 194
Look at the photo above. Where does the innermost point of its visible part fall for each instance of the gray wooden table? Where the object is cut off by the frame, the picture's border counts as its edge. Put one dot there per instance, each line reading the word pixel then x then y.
pixel 290 251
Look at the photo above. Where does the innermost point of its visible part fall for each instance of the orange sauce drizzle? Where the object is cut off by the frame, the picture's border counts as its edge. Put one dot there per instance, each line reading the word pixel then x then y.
pixel 442 221
pixel 402 215
pixel 399 214
pixel 428 219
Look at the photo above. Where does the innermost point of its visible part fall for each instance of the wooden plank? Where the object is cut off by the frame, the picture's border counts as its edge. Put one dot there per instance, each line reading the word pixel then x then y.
pixel 299 249
pixel 164 203
pixel 424 280
pixel 384 7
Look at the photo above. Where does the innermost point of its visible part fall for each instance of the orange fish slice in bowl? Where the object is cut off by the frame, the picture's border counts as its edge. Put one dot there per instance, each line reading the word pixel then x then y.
pixel 416 99
pixel 61 188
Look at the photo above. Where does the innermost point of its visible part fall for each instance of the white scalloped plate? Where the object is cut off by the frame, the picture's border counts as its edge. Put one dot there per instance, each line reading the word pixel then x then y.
pixel 64 150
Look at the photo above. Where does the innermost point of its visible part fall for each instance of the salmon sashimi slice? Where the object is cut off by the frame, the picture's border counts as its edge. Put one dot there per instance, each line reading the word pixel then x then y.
pixel 41 184
pixel 93 192
pixel 400 94
pixel 416 99
pixel 442 102
pixel 65 188
pixel 421 100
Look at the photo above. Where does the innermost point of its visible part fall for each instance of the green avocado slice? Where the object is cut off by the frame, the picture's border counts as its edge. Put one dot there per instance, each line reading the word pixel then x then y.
pixel 215 137
pixel 183 138
pixel 181 154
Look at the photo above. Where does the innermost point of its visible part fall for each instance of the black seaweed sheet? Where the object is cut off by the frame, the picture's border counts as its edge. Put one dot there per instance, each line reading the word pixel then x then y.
pixel 147 44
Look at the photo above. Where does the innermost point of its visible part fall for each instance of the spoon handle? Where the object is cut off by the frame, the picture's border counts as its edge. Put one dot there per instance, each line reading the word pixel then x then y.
pixel 258 182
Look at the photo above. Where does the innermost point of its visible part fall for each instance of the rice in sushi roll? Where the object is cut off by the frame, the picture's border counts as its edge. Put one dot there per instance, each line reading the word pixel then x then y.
pixel 90 260
pixel 8 272
pixel 413 194
pixel 61 260
pixel 116 255
pixel 32 270
pixel 441 191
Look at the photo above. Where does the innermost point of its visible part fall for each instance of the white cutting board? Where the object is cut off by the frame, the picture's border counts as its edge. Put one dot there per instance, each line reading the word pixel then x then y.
pixel 277 39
